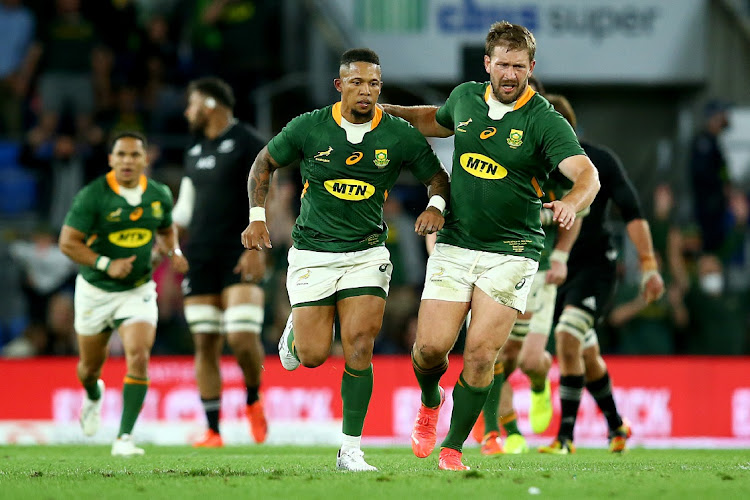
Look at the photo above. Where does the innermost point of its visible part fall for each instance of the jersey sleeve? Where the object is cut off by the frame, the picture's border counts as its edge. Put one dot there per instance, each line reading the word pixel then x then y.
pixel 83 212
pixel 444 114
pixel 421 159
pixel 287 145
pixel 624 195
pixel 559 141
pixel 168 201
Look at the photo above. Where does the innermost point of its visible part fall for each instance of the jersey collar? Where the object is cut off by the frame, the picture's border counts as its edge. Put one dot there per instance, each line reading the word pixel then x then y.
pixel 336 112
pixel 115 186
pixel 520 102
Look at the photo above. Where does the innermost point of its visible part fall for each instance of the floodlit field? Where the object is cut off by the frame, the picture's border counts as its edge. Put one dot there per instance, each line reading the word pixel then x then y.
pixel 54 472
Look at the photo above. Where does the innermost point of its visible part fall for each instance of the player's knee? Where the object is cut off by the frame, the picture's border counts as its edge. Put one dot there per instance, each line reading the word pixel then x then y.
pixel 137 361
pixel 243 318
pixel 531 365
pixel 88 371
pixel 203 319
pixel 431 354
pixel 480 360
pixel 311 358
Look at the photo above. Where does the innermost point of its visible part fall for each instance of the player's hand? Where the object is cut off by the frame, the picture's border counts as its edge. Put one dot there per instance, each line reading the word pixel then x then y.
pixel 251 266
pixel 120 268
pixel 562 213
pixel 255 236
pixel 179 262
pixel 557 273
pixel 430 221
pixel 652 286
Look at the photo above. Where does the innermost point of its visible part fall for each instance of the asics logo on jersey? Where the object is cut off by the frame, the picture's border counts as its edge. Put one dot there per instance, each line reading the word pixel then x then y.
pixel 514 138
pixel 130 238
pixel 349 189
pixel 206 163
pixel 354 158
pixel 462 124
pixel 321 156
pixel 487 133
pixel 482 166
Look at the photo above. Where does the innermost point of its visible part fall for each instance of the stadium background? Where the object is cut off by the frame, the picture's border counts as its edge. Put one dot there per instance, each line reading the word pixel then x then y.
pixel 639 74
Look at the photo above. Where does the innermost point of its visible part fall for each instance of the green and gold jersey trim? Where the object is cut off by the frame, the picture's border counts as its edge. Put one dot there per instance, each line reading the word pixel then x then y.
pixel 336 113
pixel 115 186
pixel 520 102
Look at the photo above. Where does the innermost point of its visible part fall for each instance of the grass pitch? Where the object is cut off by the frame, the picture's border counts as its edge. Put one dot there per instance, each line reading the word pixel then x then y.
pixel 260 472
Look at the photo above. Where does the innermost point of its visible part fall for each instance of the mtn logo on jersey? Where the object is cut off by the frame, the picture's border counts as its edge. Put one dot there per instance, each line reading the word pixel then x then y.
pixel 130 238
pixel 226 146
pixel 321 156
pixel 482 166
pixel 381 158
pixel 206 163
pixel 514 138
pixel 349 189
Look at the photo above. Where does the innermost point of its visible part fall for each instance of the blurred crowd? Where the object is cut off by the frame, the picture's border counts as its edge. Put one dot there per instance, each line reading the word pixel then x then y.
pixel 73 72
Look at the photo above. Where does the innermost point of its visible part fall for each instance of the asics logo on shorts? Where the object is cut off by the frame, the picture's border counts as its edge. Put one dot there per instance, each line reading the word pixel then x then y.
pixel 520 284
pixel 383 267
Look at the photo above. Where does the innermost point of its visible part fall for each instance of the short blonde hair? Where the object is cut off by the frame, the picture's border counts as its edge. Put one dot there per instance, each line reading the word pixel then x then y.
pixel 515 36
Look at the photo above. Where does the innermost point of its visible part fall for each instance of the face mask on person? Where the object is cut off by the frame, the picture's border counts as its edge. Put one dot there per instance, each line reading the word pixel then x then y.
pixel 712 284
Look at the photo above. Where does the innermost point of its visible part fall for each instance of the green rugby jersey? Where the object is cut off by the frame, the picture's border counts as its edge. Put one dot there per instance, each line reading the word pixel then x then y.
pixel 498 168
pixel 346 184
pixel 554 189
pixel 116 229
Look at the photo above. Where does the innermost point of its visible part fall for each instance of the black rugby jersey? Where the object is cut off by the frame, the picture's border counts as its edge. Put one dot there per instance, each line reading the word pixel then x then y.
pixel 595 240
pixel 218 169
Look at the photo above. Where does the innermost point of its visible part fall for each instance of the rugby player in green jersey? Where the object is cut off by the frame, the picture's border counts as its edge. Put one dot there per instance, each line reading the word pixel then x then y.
pixel 351 154
pixel 110 231
pixel 507 140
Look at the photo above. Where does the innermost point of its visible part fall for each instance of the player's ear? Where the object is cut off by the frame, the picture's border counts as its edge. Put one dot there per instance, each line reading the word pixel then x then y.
pixel 487 63
pixel 337 83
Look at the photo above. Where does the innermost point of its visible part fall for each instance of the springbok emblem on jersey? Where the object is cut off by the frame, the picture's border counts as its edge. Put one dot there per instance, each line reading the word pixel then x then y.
pixel 462 124
pixel 321 156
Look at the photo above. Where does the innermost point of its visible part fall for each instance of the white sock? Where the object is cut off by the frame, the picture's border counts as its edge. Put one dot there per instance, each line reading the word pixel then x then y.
pixel 350 442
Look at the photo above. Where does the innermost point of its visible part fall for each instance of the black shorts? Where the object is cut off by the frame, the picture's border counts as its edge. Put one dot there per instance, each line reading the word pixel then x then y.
pixel 211 275
pixel 589 288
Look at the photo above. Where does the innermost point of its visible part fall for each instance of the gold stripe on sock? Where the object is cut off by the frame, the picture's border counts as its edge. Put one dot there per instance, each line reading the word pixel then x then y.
pixel 510 417
pixel 138 381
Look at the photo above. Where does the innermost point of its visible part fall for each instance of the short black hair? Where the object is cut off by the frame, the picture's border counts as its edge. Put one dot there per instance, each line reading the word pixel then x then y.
pixel 359 55
pixel 128 133
pixel 213 87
